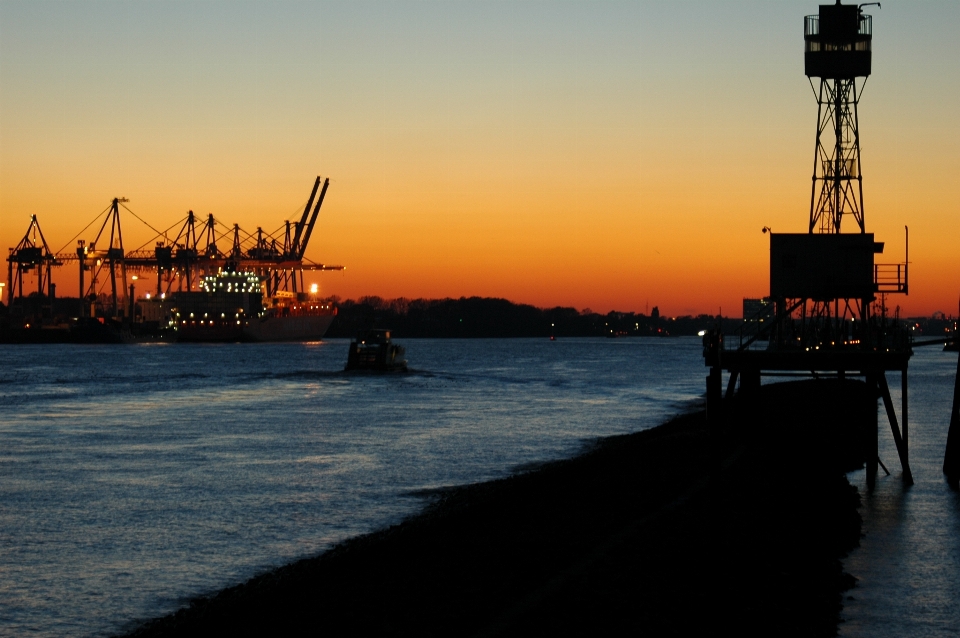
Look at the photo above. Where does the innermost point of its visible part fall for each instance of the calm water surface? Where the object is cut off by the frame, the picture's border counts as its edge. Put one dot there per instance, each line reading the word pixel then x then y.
pixel 135 477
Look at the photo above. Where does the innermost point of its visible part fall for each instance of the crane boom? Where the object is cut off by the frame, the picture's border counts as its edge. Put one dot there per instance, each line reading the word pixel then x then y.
pixel 313 219
pixel 303 220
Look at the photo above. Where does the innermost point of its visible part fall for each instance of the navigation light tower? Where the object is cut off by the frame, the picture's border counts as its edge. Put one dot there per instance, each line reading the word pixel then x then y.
pixel 837 51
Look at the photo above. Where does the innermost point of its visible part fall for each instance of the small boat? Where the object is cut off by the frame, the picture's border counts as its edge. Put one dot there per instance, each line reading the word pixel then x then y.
pixel 372 350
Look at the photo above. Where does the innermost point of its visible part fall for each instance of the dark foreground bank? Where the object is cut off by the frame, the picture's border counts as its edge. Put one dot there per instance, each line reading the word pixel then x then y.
pixel 672 531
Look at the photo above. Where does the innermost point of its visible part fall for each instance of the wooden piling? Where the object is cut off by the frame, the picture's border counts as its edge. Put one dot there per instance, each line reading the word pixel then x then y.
pixel 951 456
pixel 715 398
pixel 871 437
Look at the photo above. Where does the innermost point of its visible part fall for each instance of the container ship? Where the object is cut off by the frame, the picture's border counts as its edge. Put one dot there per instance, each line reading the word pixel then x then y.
pixel 231 306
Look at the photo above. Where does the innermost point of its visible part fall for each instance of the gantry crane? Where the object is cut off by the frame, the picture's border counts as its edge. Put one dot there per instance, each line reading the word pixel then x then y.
pixel 31 254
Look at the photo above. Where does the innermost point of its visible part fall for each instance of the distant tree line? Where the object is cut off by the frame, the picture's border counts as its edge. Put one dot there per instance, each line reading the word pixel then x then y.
pixel 491 317
pixel 483 317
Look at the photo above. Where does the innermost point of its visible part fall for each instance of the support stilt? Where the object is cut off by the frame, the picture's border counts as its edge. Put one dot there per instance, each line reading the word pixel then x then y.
pixel 732 385
pixel 951 457
pixel 904 408
pixel 884 467
pixel 897 438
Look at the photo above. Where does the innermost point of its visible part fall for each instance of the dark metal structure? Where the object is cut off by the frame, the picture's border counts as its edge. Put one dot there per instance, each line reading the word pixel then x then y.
pixel 826 312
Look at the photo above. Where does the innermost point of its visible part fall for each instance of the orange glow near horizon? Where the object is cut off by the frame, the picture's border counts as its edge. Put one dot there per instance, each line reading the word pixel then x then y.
pixel 611 157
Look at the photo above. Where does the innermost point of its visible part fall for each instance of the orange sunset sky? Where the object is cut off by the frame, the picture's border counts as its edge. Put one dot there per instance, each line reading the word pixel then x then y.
pixel 610 155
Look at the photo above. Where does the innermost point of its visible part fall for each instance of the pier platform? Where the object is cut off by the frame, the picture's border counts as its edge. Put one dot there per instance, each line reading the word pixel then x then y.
pixel 746 367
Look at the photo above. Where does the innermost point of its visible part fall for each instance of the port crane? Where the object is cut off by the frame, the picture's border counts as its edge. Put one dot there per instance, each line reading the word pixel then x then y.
pixel 31 253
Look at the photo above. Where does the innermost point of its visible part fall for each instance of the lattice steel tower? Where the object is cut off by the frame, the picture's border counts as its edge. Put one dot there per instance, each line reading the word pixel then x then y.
pixel 837 51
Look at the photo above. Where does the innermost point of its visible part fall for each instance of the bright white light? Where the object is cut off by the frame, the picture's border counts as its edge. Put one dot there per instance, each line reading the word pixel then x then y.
pixel 314 288
pixel 701 333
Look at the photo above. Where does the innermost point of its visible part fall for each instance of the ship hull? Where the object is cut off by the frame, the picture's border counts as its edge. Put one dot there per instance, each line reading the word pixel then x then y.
pixel 298 328
pixel 258 330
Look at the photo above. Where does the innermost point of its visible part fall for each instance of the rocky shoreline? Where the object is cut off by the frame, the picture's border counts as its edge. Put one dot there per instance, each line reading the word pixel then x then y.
pixel 673 531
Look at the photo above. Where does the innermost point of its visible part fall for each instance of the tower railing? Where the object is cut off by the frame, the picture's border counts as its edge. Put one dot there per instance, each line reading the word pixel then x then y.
pixel 811 25
pixel 890 277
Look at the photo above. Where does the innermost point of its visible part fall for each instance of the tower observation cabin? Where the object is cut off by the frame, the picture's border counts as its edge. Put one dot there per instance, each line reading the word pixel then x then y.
pixel 837 42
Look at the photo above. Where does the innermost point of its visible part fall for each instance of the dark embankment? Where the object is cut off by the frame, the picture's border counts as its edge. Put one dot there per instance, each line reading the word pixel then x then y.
pixel 671 531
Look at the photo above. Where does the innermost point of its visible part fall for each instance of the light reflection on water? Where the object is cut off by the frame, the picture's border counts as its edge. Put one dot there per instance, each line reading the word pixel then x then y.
pixel 134 477
pixel 908 563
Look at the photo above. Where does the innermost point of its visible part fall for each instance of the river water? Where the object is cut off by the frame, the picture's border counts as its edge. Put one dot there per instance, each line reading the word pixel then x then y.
pixel 908 562
pixel 135 477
